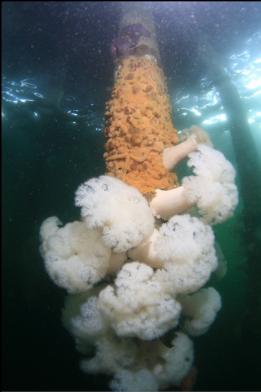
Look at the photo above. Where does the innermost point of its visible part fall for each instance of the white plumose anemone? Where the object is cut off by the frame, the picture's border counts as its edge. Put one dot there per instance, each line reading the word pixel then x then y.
pixel 137 305
pixel 74 256
pixel 118 210
pixel 183 251
pixel 173 155
pixel 112 354
pixel 82 318
pixel 214 173
pixel 200 310
pixel 175 361
pixel 186 245
pixel 212 189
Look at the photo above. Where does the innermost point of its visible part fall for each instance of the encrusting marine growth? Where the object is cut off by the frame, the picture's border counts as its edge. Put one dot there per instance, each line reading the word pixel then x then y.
pixel 136 264
pixel 139 126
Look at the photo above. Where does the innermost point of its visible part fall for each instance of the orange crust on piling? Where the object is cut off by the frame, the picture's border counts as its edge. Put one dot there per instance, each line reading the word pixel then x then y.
pixel 139 126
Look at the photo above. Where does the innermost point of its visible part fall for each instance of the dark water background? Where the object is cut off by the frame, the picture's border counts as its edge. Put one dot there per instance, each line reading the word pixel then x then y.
pixel 57 74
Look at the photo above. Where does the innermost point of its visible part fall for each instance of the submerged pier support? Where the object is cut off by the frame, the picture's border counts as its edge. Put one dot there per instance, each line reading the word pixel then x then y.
pixel 139 124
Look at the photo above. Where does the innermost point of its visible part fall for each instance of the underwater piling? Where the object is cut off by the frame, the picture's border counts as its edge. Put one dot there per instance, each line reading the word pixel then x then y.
pixel 138 115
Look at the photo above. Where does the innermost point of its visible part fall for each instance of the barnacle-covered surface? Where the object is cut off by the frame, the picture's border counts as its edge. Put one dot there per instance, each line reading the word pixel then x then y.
pixel 139 126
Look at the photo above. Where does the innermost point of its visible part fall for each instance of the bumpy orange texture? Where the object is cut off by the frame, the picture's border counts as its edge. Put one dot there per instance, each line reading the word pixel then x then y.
pixel 139 126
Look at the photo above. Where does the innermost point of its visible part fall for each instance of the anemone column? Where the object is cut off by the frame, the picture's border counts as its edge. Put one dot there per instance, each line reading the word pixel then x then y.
pixel 138 115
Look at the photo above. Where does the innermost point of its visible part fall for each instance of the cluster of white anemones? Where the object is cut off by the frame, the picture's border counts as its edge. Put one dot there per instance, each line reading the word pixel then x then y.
pixel 156 271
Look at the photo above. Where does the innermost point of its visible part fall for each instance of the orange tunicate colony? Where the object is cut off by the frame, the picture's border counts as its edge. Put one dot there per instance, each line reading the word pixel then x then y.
pixel 139 126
